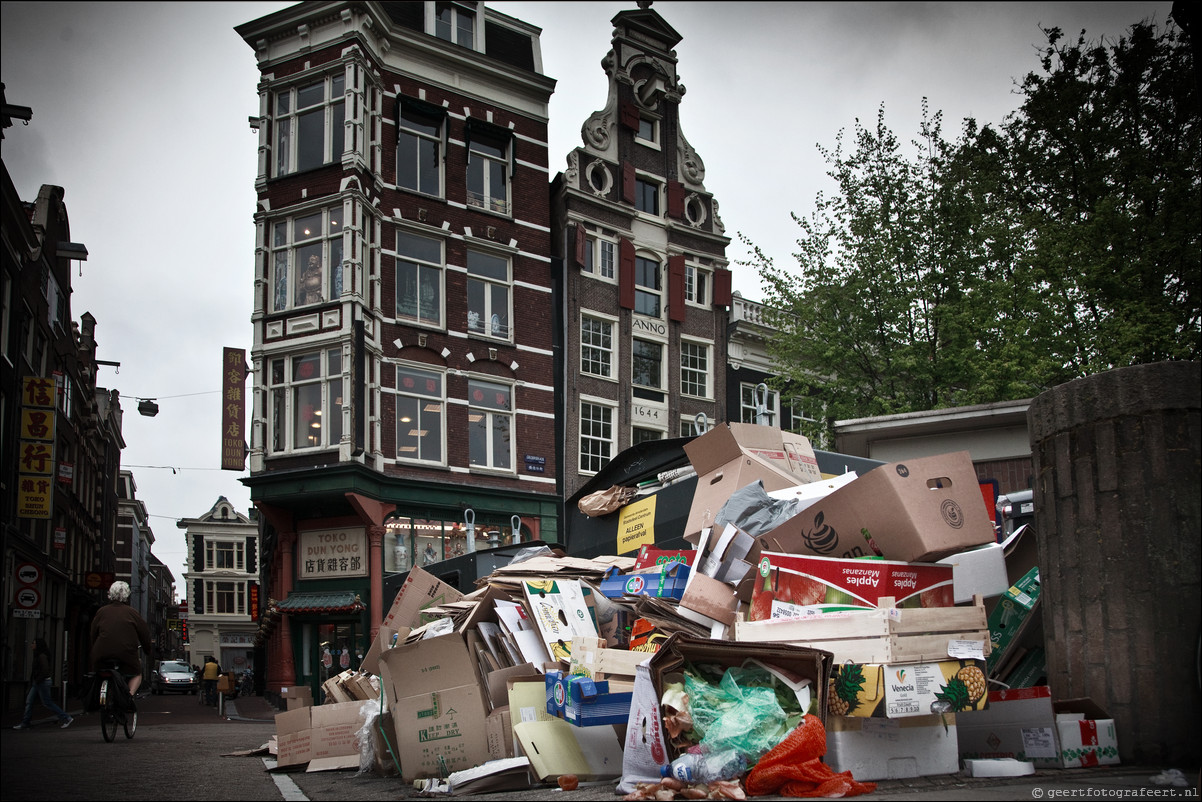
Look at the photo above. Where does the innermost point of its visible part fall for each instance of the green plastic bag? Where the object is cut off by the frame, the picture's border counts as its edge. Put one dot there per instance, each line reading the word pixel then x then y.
pixel 740 712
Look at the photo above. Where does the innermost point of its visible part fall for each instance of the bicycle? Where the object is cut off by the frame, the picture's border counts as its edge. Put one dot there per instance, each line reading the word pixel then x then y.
pixel 115 703
pixel 247 685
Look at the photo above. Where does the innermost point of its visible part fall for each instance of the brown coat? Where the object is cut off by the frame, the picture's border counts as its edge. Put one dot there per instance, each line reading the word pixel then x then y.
pixel 117 632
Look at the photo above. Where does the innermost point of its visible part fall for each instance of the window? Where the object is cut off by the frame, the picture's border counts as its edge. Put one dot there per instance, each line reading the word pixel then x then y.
pixel 694 369
pixel 225 555
pixel 310 124
pixel 419 414
pixel 596 436
pixel 419 279
pixel 748 405
pixel 647 292
pixel 640 435
pixel 419 142
pixel 488 172
pixel 306 401
pixel 490 423
pixel 696 285
pixel 793 415
pixel 455 22
pixel 307 259
pixel 225 598
pixel 596 346
pixel 646 196
pixel 647 370
pixel 599 257
pixel 647 130
pixel 487 295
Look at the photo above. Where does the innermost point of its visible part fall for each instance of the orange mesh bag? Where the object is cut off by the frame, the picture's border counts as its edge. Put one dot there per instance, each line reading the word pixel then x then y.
pixel 795 768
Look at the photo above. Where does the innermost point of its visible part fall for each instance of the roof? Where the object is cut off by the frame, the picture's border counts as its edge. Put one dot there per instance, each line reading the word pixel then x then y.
pixel 340 601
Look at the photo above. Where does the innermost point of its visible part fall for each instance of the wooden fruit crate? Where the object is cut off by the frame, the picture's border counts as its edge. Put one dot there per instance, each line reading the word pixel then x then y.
pixel 885 634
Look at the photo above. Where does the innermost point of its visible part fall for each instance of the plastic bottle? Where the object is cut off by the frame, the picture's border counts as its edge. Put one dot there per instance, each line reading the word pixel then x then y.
pixel 706 767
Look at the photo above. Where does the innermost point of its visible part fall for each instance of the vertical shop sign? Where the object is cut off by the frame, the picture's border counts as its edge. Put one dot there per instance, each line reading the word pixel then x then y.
pixel 233 409
pixel 35 455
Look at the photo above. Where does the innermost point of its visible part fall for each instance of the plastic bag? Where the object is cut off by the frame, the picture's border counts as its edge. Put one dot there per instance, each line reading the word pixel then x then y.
pixel 604 502
pixel 740 712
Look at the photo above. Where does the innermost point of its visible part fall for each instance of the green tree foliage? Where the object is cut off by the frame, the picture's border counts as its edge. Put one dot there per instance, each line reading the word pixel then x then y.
pixel 1062 243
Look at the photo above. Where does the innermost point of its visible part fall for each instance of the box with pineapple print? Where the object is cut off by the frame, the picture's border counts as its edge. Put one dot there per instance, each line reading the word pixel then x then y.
pixel 878 690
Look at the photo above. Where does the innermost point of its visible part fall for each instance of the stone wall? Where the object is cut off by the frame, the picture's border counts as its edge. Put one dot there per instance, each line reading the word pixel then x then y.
pixel 1117 517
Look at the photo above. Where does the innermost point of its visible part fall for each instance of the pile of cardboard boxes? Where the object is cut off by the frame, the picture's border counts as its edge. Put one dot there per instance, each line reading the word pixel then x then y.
pixel 886 596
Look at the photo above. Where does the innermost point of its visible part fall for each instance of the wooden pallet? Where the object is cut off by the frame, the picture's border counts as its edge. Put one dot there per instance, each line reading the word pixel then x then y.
pixel 884 634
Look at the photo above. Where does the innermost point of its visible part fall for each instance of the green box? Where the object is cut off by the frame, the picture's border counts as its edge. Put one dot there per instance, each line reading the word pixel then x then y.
pixel 1007 618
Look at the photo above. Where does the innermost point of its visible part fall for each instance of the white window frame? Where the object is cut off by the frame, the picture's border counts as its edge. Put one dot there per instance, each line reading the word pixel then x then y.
pixel 490 321
pixel 424 397
pixel 698 282
pixel 452 29
pixel 420 138
pixel 643 291
pixel 608 350
pixel 706 371
pixel 283 399
pixel 747 406
pixel 293 248
pixel 425 270
pixel 489 164
pixel 287 116
pixel 236 547
pixel 601 447
pixel 660 388
pixel 600 258
pixel 490 414
pixel 237 589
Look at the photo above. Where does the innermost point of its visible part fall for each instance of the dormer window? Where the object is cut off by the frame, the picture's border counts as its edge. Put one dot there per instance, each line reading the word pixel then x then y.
pixel 455 22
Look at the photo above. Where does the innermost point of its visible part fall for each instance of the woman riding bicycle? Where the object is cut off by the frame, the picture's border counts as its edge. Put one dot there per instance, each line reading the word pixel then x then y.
pixel 117 632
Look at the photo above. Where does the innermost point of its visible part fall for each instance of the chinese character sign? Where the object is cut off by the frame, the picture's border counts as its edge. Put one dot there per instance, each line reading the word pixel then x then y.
pixel 35 452
pixel 233 409
pixel 332 554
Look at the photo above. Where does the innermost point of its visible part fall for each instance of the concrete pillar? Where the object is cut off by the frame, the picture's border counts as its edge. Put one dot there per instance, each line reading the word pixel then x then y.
pixel 1118 524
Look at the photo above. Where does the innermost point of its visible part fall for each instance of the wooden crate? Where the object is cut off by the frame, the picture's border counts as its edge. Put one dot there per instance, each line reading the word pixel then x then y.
pixel 877 635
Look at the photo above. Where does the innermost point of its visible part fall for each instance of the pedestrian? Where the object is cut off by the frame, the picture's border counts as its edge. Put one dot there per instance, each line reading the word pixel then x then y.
pixel 212 672
pixel 40 688
pixel 117 633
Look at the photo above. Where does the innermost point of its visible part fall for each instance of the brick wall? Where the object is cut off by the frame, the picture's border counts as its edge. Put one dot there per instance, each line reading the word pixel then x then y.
pixel 1117 516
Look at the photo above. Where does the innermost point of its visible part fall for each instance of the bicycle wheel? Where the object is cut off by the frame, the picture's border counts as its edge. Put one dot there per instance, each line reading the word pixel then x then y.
pixel 108 714
pixel 131 723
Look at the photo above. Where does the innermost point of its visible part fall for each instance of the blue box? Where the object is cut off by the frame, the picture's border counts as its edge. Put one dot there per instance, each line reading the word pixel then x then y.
pixel 585 702
pixel 667 583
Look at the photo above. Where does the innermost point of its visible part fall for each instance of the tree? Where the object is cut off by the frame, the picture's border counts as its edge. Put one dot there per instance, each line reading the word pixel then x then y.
pixel 989 268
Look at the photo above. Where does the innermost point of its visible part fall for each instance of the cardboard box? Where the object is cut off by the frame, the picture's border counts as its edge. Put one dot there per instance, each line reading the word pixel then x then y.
pixel 586 702
pixel 293 731
pixel 794 585
pixel 733 455
pixel 667 582
pixel 1007 619
pixel 438 706
pixel 979 571
pixel 916 511
pixel 295 696
pixel 334 731
pixel 1018 723
pixel 908 689
pixel 1086 734
pixel 892 749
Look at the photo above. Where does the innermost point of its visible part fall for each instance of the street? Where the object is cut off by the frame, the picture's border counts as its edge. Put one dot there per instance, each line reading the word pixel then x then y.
pixel 182 751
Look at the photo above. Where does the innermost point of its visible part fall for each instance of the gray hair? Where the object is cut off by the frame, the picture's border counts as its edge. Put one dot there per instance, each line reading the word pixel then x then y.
pixel 119 592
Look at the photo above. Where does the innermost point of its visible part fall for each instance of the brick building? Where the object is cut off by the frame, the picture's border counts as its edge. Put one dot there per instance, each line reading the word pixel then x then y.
pixel 644 284
pixel 404 385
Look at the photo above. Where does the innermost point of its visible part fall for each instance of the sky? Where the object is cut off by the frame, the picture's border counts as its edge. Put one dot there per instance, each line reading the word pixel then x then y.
pixel 140 113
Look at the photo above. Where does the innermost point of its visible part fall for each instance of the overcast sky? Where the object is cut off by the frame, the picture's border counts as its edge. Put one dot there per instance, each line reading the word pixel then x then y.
pixel 140 113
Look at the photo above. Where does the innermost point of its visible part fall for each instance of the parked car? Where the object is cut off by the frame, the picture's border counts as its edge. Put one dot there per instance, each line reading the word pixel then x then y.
pixel 174 675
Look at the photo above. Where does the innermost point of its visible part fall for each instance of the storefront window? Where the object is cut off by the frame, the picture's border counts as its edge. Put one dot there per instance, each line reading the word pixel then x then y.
pixel 424 541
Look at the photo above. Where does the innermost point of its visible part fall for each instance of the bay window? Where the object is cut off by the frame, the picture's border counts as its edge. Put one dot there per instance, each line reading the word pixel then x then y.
pixel 306 259
pixel 310 124
pixel 307 392
pixel 490 425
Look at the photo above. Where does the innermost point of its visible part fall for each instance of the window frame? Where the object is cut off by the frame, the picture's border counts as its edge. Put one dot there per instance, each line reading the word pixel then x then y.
pixel 610 350
pixel 707 370
pixel 606 441
pixel 644 293
pixel 644 391
pixel 595 249
pixel 289 290
pixel 646 189
pixel 417 371
pixel 286 124
pixel 421 264
pixel 493 414
pixel 454 27
pixel 437 140
pixel 237 549
pixel 236 589
pixel 489 286
pixel 747 412
pixel 692 295
pixel 489 163
pixel 283 400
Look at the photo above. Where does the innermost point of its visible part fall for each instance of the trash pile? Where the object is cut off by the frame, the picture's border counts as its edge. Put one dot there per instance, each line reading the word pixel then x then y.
pixel 822 632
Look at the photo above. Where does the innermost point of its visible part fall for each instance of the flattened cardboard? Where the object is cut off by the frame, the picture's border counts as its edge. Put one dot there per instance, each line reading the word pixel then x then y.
pixel 420 590
pixel 920 510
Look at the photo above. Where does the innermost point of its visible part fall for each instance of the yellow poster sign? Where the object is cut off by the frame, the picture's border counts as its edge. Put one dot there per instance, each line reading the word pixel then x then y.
pixel 636 525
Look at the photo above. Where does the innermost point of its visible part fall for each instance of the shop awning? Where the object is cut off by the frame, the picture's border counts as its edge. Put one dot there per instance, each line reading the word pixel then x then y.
pixel 344 601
